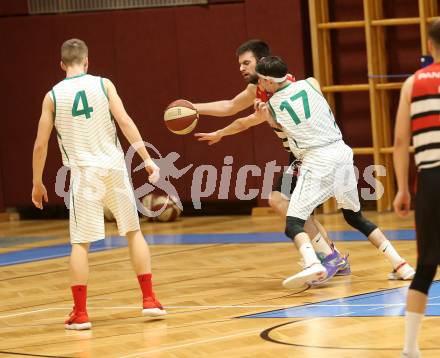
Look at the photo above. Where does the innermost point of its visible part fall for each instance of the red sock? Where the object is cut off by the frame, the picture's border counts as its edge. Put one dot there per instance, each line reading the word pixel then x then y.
pixel 146 285
pixel 79 293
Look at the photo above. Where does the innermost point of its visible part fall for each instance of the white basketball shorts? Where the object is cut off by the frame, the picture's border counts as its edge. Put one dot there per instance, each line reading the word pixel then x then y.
pixel 92 189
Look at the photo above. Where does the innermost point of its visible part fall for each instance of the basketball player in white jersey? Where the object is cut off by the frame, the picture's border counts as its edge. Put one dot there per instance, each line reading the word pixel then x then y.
pixel 81 108
pixel 327 170
pixel 248 55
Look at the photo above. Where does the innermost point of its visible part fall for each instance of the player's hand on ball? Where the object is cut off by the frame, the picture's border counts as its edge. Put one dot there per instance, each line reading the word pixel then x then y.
pixel 39 193
pixel 211 138
pixel 402 203
pixel 152 170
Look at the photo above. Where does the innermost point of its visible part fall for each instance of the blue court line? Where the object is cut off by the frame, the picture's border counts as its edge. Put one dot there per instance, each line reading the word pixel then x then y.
pixel 11 241
pixel 55 251
pixel 61 250
pixel 404 235
pixel 388 303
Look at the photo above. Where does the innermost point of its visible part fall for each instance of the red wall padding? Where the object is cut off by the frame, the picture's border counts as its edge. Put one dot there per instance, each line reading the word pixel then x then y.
pixel 15 7
pixel 153 56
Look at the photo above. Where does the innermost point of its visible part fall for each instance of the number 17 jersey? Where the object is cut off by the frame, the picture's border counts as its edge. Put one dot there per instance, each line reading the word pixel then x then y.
pixel 305 116
pixel 85 129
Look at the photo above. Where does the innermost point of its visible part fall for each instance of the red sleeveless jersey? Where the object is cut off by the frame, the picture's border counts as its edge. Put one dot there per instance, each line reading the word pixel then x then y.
pixel 265 96
pixel 425 116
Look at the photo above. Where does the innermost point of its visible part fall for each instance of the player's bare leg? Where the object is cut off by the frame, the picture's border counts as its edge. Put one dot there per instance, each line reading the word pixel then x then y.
pixel 141 261
pixel 79 273
pixel 139 253
pixel 324 247
pixel 401 269
pixel 415 311
pixel 416 305
pixel 79 264
pixel 280 204
pixel 313 269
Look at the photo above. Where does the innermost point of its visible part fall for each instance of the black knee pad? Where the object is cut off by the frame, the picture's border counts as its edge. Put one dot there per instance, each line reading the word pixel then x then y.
pixel 423 278
pixel 294 226
pixel 357 220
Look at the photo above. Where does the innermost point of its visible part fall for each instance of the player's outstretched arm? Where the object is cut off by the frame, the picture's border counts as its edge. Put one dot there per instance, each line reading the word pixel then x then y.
pixel 130 130
pixel 45 126
pixel 228 107
pixel 402 141
pixel 239 125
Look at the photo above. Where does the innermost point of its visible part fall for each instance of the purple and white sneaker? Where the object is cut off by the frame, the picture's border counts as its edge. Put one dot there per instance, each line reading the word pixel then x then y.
pixel 332 264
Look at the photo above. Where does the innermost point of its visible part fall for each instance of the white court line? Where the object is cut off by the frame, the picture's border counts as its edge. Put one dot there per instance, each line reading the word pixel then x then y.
pixel 374 306
pixel 401 304
pixel 31 312
pixel 307 305
pixel 191 343
pixel 208 340
pixel 134 307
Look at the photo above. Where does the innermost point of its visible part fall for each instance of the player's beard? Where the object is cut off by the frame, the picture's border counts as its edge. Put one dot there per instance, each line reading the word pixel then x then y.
pixel 253 79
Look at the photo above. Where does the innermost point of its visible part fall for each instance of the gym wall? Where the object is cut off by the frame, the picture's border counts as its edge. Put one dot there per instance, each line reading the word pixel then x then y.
pixel 153 56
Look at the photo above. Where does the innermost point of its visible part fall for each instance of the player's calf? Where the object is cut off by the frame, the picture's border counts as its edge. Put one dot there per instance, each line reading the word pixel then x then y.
pixel 313 271
pixel 358 221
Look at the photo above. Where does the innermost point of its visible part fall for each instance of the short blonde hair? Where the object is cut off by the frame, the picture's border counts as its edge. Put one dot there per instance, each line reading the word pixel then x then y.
pixel 73 51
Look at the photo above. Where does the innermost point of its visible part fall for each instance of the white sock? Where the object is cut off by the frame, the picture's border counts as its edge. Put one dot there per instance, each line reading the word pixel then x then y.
pixel 413 322
pixel 308 254
pixel 390 253
pixel 322 248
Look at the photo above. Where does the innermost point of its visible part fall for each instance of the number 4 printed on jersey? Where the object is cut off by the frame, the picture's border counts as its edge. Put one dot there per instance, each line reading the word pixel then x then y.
pixel 86 110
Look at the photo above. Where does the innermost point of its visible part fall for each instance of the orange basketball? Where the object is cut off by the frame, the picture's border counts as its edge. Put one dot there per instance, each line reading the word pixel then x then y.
pixel 181 117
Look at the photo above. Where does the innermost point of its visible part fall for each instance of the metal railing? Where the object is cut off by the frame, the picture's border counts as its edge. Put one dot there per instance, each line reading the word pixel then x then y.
pixel 64 6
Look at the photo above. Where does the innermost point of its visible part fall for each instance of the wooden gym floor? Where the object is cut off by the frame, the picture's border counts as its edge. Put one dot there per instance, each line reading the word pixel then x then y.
pixel 205 286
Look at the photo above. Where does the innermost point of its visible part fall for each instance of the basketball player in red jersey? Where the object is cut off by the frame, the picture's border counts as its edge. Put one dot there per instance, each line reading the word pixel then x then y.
pixel 249 53
pixel 418 116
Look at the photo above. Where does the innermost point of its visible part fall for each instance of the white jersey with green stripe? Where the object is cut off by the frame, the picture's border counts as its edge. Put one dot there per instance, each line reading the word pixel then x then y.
pixel 85 128
pixel 305 116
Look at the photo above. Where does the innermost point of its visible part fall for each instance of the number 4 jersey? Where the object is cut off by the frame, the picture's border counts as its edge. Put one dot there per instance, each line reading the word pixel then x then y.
pixel 305 117
pixel 85 128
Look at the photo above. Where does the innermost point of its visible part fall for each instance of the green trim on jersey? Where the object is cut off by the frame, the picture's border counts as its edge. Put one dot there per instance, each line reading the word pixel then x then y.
pixel 282 88
pixel 64 150
pixel 314 88
pixel 273 112
pixel 302 183
pixel 54 104
pixel 62 146
pixel 70 78
pixel 296 144
pixel 73 203
pixel 114 126
pixel 103 87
